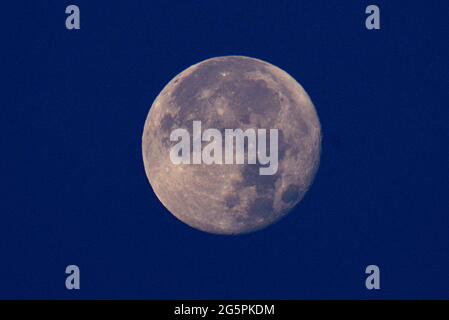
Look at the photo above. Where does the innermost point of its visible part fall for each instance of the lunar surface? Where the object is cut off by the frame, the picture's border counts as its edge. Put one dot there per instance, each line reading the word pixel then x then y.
pixel 227 93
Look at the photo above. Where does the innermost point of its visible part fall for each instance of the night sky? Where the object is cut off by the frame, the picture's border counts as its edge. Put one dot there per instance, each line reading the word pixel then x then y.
pixel 73 188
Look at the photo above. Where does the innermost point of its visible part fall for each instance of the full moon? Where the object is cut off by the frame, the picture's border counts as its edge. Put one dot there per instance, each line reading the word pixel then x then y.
pixel 228 93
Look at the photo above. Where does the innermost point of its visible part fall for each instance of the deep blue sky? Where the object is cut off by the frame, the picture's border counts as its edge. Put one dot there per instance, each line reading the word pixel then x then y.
pixel 73 187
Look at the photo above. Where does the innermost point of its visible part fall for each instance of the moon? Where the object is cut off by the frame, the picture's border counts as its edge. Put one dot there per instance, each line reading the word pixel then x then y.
pixel 232 92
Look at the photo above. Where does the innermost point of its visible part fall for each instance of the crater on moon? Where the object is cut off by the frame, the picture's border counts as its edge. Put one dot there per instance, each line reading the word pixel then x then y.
pixel 228 93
